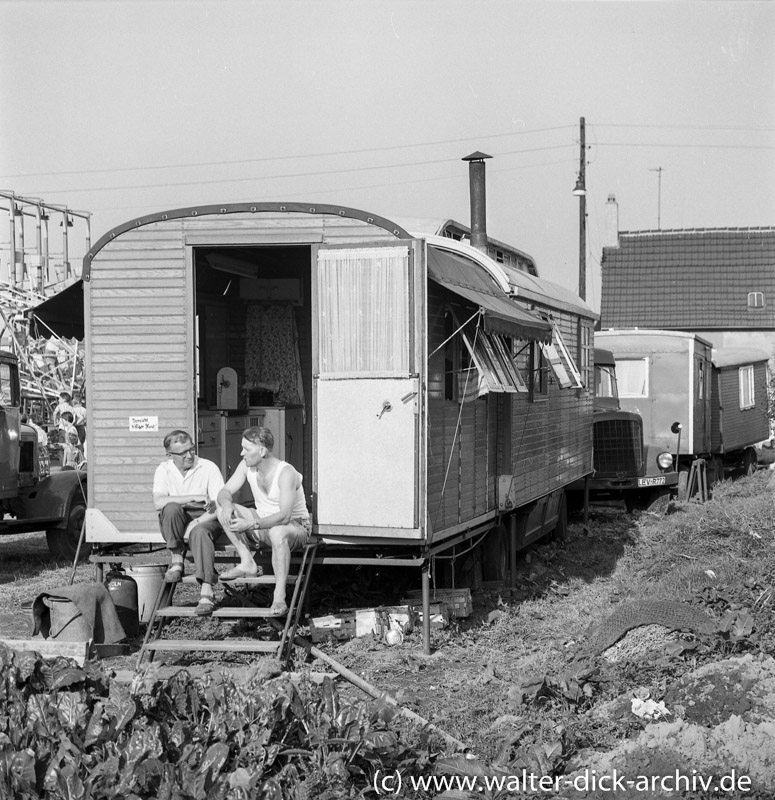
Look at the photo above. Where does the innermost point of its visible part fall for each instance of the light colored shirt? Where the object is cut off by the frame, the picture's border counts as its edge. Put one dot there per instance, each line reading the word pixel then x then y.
pixel 79 415
pixel 204 478
pixel 269 502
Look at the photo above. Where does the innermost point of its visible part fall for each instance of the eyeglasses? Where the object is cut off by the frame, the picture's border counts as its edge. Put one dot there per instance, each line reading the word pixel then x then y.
pixel 183 453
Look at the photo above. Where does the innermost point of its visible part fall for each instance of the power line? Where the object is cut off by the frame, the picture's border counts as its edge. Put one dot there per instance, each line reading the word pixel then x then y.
pixel 687 127
pixel 287 158
pixel 338 171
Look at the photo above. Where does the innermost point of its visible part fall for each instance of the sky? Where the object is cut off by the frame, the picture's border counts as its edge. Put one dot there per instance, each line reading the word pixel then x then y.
pixel 126 108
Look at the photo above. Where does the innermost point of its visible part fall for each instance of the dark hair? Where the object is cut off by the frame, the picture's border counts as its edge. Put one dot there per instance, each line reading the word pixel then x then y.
pixel 262 436
pixel 65 396
pixel 66 415
pixel 176 437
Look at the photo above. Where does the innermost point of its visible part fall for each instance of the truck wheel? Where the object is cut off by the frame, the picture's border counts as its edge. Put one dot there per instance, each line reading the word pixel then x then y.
pixel 658 502
pixel 63 542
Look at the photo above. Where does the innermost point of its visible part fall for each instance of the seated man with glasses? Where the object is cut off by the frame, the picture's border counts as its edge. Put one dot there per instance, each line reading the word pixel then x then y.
pixel 185 488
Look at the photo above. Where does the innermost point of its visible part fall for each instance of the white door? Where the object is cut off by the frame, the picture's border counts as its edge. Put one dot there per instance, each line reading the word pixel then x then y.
pixel 369 311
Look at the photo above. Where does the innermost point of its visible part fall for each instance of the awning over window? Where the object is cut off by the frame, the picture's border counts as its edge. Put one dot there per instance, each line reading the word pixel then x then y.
pixel 470 281
pixel 61 314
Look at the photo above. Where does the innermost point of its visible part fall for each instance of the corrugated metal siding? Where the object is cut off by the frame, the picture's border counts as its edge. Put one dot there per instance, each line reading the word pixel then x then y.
pixel 733 429
pixel 139 363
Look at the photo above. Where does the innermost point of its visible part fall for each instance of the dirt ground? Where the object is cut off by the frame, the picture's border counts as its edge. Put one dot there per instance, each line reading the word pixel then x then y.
pixel 508 681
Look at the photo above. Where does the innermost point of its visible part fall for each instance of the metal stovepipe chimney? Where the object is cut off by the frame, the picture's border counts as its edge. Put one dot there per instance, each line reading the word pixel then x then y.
pixel 478 192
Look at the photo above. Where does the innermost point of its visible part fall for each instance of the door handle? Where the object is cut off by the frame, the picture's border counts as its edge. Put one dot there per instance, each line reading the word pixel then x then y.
pixel 386 406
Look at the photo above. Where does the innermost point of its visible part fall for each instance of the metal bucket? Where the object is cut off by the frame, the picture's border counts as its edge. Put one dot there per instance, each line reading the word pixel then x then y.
pixel 149 579
pixel 67 622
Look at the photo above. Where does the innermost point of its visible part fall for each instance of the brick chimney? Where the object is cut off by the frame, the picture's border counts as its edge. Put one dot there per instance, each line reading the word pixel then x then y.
pixel 611 226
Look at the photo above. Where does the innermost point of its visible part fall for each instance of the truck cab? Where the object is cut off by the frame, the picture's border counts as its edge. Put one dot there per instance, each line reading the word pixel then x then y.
pixel 623 467
pixel 32 497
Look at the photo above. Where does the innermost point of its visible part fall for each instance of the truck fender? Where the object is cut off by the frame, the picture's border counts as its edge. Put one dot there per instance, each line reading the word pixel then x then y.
pixel 53 496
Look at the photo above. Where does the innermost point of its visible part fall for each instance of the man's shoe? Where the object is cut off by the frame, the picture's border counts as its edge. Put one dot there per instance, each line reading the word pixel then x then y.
pixel 174 573
pixel 205 606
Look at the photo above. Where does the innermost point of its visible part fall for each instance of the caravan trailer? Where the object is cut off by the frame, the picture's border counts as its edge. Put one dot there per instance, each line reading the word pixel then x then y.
pixel 718 397
pixel 428 394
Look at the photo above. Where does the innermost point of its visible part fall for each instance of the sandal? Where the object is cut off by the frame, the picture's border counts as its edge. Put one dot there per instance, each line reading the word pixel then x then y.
pixel 174 573
pixel 205 606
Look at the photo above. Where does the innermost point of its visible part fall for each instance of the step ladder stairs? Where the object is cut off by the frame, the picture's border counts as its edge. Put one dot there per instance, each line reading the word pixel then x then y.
pixel 240 590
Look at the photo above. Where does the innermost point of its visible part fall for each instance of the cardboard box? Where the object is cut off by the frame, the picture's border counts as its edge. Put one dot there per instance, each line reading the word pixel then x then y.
pixel 353 623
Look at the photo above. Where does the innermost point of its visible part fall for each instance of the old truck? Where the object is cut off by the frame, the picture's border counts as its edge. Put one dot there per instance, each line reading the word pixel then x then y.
pixel 33 497
pixel 715 399
pixel 627 467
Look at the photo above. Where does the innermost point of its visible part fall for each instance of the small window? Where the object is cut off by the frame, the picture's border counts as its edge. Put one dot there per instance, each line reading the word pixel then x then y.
pixel 539 385
pixel 755 299
pixel 745 375
pixel 585 353
pixel 8 392
pixel 490 356
pixel 568 375
pixel 633 377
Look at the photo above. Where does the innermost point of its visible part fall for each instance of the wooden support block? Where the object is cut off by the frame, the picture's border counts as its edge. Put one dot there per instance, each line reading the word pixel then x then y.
pixel 51 648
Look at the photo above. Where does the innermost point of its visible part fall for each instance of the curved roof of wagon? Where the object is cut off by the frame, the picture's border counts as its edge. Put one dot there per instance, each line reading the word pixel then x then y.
pixel 241 208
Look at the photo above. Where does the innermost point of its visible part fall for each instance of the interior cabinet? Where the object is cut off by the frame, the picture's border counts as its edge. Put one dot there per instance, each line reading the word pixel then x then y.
pixel 220 434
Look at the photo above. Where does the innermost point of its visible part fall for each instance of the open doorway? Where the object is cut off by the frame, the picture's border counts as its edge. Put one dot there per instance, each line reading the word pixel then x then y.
pixel 253 359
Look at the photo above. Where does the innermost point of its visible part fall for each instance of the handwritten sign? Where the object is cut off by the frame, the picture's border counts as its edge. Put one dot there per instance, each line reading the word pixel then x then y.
pixel 143 423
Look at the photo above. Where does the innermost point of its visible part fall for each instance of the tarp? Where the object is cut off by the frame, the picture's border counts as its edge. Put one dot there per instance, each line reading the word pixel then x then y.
pixel 471 281
pixel 61 314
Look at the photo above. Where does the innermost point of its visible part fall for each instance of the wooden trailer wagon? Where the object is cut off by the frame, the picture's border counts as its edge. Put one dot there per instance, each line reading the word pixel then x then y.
pixel 719 398
pixel 428 395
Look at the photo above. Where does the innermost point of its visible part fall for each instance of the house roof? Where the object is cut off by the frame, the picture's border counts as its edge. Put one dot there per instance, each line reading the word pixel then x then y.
pixel 696 278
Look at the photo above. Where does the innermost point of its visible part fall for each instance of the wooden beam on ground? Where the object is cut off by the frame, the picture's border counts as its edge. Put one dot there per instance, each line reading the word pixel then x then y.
pixel 51 648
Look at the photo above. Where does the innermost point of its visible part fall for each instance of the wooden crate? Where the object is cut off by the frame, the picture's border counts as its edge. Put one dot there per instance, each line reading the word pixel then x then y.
pixel 357 622
pixel 458 601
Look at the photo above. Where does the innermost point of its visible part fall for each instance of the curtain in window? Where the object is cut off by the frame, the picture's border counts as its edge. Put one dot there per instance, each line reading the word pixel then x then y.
pixel 272 352
pixel 364 311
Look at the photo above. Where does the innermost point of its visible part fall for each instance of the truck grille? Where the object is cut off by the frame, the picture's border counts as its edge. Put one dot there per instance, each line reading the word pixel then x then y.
pixel 618 447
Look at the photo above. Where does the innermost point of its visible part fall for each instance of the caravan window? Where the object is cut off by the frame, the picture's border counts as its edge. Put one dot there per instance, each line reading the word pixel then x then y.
pixel 364 311
pixel 561 361
pixel 7 393
pixel 490 353
pixel 633 377
pixel 745 376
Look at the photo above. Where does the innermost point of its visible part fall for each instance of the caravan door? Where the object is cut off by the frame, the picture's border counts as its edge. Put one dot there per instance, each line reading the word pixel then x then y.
pixel 368 355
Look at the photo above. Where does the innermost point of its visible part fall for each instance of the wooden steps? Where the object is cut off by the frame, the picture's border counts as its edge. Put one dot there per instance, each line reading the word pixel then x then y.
pixel 212 645
pixel 239 590
pixel 258 580
pixel 227 612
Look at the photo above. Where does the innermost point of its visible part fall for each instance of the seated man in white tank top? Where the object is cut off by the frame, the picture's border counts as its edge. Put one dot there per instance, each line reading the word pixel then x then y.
pixel 280 518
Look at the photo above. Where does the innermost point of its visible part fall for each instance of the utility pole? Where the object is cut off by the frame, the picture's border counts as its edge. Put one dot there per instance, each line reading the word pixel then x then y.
pixel 581 192
pixel 658 170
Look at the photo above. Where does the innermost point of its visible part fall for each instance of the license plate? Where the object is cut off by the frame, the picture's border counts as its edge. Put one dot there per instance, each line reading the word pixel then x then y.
pixel 652 481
